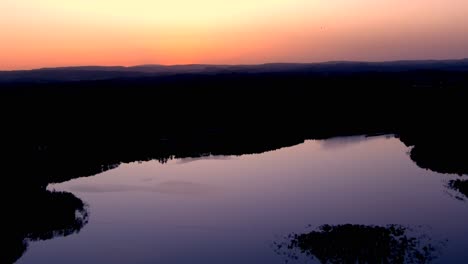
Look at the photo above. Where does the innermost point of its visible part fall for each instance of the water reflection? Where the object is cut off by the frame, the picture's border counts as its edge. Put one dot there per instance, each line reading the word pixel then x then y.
pixel 208 157
pixel 360 244
pixel 168 187
pixel 341 142
pixel 303 172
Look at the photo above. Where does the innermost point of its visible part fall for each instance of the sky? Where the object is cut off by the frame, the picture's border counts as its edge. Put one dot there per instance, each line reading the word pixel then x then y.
pixel 51 33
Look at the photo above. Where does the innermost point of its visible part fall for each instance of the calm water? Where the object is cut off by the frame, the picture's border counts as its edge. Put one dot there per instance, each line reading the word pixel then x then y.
pixel 223 209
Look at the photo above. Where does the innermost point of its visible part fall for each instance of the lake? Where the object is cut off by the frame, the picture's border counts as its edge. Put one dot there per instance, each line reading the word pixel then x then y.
pixel 267 208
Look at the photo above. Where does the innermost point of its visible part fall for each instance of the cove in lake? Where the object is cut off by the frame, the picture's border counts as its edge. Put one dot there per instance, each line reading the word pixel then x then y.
pixel 271 207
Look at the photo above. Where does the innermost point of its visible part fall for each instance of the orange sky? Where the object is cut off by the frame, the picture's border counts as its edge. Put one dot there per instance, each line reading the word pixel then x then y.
pixel 47 33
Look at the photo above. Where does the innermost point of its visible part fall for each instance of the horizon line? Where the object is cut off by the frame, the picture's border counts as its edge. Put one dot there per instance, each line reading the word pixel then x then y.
pixel 241 64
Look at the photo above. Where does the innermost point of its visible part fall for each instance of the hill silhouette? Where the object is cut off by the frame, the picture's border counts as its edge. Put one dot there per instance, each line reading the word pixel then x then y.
pixel 90 73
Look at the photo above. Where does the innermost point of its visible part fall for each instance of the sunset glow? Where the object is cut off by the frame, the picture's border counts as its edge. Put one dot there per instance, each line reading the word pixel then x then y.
pixel 51 33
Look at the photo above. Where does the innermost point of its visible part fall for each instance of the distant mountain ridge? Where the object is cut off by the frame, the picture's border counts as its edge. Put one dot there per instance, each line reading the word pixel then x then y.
pixel 87 73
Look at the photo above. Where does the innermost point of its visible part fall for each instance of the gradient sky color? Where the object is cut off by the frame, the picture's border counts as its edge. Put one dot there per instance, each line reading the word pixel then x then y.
pixel 48 33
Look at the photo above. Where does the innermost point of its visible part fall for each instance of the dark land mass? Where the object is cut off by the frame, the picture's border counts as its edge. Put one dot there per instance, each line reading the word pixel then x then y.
pixel 89 73
pixel 57 129
pixel 360 244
